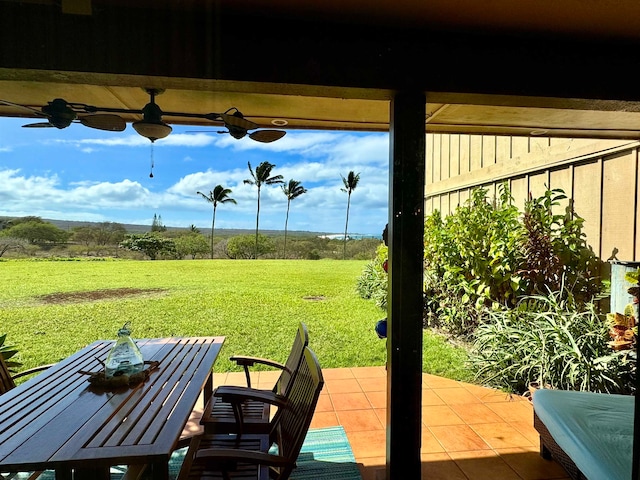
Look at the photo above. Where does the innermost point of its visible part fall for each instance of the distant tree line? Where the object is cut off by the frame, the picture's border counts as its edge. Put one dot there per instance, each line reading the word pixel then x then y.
pixel 32 236
pixel 28 235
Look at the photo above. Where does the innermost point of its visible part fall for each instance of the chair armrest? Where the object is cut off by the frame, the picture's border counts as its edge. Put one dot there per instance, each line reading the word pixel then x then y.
pixel 251 361
pixel 31 370
pixel 247 362
pixel 232 394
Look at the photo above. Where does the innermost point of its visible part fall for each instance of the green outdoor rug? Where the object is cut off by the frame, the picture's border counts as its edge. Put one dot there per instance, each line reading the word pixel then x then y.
pixel 325 455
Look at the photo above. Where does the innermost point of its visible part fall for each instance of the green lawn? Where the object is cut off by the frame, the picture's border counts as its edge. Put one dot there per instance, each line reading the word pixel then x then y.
pixel 50 309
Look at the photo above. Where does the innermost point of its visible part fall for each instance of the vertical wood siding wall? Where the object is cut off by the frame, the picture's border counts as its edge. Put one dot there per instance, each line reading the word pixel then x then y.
pixel 602 177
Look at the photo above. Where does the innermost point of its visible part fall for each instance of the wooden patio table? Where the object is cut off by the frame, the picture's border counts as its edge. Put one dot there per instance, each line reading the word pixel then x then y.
pixel 57 420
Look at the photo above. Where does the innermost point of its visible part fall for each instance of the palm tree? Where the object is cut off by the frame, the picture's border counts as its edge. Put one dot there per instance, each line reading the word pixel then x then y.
pixel 218 195
pixel 292 190
pixel 260 177
pixel 350 184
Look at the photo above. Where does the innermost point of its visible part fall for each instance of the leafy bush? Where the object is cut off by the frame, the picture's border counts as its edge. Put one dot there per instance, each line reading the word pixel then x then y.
pixel 556 250
pixel 244 246
pixel 470 260
pixel 553 341
pixel 151 244
pixel 37 232
pixel 373 282
pixel 191 245
pixel 488 255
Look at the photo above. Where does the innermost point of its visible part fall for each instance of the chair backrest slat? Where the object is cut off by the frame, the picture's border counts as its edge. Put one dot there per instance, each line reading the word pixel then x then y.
pixel 6 381
pixel 293 362
pixel 293 420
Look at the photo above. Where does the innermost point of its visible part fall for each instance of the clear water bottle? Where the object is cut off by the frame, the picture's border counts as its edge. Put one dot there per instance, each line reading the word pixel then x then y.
pixel 124 357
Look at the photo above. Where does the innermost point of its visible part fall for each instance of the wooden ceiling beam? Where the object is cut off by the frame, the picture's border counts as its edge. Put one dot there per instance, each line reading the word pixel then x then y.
pixel 228 46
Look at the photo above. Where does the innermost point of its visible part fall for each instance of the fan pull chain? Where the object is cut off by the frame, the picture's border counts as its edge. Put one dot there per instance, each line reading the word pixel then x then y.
pixel 152 163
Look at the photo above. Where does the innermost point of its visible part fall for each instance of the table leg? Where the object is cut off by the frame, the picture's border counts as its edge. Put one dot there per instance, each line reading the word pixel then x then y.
pixel 63 473
pixel 159 470
pixel 90 473
pixel 208 389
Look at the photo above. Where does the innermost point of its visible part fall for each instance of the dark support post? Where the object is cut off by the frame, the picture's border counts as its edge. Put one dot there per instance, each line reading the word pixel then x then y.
pixel 635 472
pixel 404 313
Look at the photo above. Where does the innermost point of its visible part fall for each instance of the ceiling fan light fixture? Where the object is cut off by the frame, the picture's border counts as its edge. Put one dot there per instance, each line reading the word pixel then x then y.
pixel 152 130
pixel 151 125
pixel 279 122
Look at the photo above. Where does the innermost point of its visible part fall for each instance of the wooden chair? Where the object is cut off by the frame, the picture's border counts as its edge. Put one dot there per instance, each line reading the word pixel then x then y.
pixel 7 381
pixel 248 410
pixel 229 457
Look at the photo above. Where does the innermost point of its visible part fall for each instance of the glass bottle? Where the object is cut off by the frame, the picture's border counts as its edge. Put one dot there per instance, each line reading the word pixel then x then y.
pixel 124 357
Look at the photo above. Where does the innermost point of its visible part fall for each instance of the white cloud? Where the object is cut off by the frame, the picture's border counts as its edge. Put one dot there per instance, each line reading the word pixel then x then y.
pixel 173 140
pixel 128 141
pixel 112 184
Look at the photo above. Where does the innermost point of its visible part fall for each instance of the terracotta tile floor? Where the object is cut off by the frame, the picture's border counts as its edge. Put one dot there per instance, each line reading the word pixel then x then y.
pixel 468 432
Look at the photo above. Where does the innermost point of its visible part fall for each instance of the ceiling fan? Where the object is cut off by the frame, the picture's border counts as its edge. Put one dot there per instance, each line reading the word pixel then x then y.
pixel 152 126
pixel 60 114
pixel 238 126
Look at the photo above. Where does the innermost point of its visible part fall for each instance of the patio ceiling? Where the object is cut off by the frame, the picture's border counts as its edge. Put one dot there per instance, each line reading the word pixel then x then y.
pixel 535 47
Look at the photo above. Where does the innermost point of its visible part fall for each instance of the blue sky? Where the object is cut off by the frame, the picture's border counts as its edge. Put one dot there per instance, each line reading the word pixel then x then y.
pixel 85 174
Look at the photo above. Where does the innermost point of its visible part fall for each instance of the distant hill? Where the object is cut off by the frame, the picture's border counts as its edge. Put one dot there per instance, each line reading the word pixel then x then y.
pixel 223 232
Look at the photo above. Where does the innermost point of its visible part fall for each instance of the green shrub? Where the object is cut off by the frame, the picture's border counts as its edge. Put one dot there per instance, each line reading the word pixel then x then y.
pixel 556 251
pixel 470 260
pixel 488 255
pixel 244 246
pixel 152 244
pixel 373 282
pixel 553 341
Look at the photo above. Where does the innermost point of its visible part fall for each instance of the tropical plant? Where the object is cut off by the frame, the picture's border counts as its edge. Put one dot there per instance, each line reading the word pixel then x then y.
pixel 350 184
pixel 486 254
pixel 292 190
pixel 556 251
pixel 262 176
pixel 632 276
pixel 552 340
pixel 471 257
pixel 218 195
pixel 7 352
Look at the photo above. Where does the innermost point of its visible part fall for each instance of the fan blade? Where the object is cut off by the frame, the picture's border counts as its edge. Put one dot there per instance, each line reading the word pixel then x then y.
pixel 38 125
pixel 267 136
pixel 236 121
pixel 112 123
pixel 11 104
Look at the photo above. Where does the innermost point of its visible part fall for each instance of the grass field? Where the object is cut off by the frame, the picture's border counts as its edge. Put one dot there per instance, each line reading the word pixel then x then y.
pixel 50 309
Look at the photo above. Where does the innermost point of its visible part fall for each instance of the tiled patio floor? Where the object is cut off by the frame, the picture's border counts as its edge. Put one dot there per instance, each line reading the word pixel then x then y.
pixel 468 432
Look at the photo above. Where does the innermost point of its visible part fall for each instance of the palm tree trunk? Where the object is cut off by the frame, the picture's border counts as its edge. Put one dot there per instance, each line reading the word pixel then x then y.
pixel 213 222
pixel 257 223
pixel 284 254
pixel 346 225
